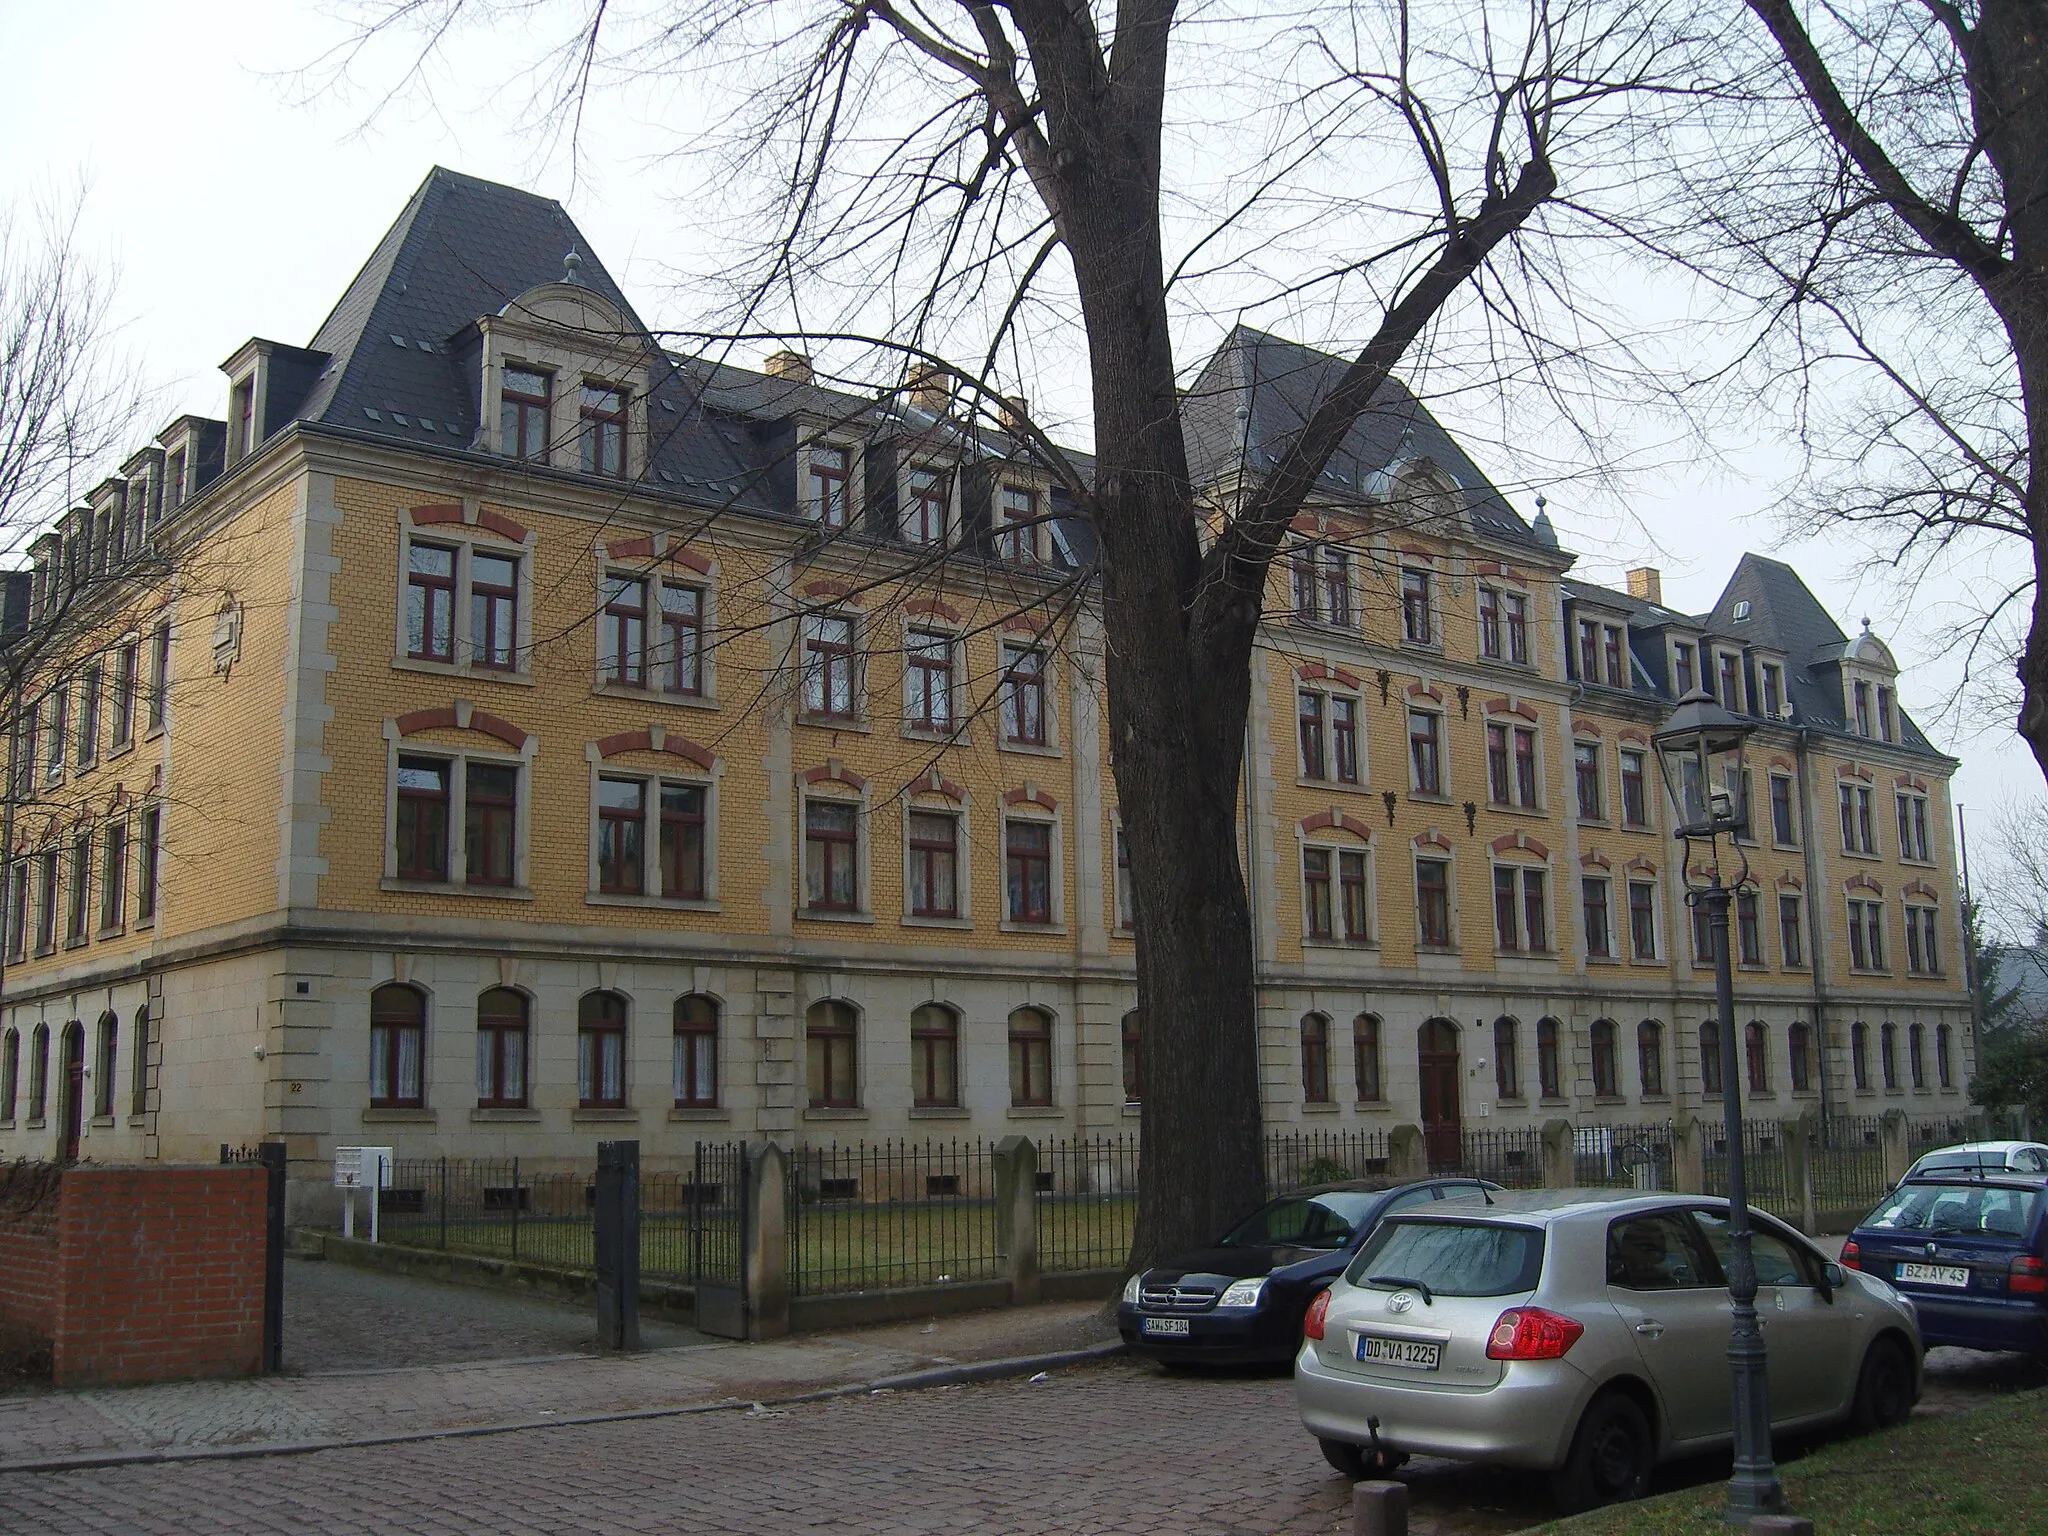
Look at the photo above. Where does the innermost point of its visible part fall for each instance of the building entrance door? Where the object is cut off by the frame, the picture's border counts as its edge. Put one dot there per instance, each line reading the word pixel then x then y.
pixel 71 1113
pixel 1436 1060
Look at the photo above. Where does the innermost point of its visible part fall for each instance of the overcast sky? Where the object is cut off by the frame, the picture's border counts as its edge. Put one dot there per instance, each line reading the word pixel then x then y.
pixel 238 203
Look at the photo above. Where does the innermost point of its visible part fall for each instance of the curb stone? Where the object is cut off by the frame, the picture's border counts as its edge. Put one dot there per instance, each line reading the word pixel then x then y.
pixel 909 1381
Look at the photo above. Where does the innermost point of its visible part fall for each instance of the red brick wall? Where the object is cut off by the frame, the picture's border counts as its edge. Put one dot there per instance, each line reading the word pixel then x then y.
pixel 141 1274
pixel 28 1274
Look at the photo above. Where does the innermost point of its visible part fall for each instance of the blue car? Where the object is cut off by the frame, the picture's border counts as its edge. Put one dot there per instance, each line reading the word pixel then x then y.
pixel 1970 1250
pixel 1242 1300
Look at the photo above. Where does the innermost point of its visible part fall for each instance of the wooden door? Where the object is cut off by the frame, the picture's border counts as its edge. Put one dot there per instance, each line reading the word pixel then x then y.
pixel 1437 1072
pixel 71 1114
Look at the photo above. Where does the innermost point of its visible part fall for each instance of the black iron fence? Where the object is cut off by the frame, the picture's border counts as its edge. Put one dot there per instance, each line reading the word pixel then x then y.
pixel 875 1215
pixel 1087 1202
pixel 1296 1159
pixel 689 1223
pixel 1512 1157
pixel 1847 1153
pixel 1624 1156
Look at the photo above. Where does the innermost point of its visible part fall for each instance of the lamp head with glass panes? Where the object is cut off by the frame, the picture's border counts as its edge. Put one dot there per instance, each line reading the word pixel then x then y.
pixel 1700 754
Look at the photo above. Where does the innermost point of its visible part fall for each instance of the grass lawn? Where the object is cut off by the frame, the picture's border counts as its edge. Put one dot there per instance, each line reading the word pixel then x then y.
pixel 1955 1474
pixel 835 1247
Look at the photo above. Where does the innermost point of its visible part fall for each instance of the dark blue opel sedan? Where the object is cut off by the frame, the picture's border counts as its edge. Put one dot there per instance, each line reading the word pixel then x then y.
pixel 1243 1300
pixel 1970 1251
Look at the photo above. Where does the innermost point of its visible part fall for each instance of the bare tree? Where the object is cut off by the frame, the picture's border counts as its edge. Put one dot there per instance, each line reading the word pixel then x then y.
pixel 1020 186
pixel 1872 180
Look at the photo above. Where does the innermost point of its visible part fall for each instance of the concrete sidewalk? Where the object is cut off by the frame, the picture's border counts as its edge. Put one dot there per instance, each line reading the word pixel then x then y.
pixel 43 1430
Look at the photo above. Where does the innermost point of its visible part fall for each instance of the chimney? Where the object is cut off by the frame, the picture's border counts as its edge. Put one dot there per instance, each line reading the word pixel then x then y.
pixel 1014 412
pixel 930 390
pixel 793 366
pixel 1646 584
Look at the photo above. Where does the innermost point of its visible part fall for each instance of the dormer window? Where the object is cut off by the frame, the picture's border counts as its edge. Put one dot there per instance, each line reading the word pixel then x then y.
pixel 1885 730
pixel 1682 681
pixel 242 417
pixel 174 482
pixel 1017 538
pixel 930 501
pixel 603 430
pixel 829 498
pixel 1861 694
pixel 1773 679
pixel 1731 682
pixel 523 414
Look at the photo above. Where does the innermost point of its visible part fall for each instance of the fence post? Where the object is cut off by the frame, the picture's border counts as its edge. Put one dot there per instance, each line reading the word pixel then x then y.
pixel 615 1244
pixel 1898 1153
pixel 1688 1156
pixel 764 1261
pixel 1016 1161
pixel 1560 1162
pixel 272 1154
pixel 1796 1136
pixel 1407 1154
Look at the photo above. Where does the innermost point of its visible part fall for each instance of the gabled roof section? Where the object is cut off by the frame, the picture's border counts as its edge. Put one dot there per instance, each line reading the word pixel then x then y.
pixel 464 248
pixel 1785 616
pixel 1257 391
pixel 1641 614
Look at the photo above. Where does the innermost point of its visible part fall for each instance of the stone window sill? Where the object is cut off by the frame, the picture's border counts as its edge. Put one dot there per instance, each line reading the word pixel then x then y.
pixel 941 1112
pixel 836 723
pixel 824 1112
pixel 814 915
pixel 954 736
pixel 455 888
pixel 482 1116
pixel 1314 941
pixel 1028 749
pixel 1035 1112
pixel 962 924
pixel 1133 1111
pixel 654 696
pixel 702 1113
pixel 518 677
pixel 102 1122
pixel 1009 926
pixel 400 1116
pixel 658 903
pixel 592 1115
pixel 1320 1107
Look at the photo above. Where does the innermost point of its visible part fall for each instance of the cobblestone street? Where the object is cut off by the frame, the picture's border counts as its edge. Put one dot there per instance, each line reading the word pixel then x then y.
pixel 1112 1448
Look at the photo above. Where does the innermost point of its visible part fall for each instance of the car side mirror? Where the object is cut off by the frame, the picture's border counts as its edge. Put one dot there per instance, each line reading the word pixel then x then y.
pixel 1832 1278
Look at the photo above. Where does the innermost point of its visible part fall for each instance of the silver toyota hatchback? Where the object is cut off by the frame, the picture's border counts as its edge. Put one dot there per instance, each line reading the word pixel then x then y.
pixel 1585 1334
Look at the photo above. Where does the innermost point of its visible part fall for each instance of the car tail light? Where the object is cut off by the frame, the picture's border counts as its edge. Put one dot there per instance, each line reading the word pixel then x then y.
pixel 1852 1256
pixel 1318 1311
pixel 2027 1277
pixel 1531 1333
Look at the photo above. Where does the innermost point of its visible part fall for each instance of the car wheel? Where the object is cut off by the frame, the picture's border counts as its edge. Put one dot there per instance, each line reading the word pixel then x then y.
pixel 1884 1389
pixel 1610 1457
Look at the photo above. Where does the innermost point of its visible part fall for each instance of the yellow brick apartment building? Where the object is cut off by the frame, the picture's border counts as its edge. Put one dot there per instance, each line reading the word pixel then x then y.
pixel 503 733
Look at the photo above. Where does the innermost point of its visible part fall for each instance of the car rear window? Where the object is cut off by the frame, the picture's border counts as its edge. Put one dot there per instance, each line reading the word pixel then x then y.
pixel 1452 1258
pixel 1934 1207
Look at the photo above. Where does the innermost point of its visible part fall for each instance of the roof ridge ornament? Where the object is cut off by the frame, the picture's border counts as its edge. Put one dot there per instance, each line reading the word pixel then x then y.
pixel 570 265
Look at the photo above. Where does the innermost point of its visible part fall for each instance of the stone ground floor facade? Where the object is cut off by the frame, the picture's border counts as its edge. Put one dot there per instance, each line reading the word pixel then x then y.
pixel 472 1050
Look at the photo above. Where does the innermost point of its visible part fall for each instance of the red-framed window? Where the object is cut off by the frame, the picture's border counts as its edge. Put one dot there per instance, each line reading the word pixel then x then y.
pixel 1027 866
pixel 1017 538
pixel 501 1049
pixel 398 1030
pixel 682 841
pixel 1549 1060
pixel 423 784
pixel 934 864
pixel 1710 1058
pixel 931 499
pixel 1756 1057
pixel 1642 919
pixel 1417 626
pixel 603 423
pixel 601 1051
pixel 831 855
pixel 1425 751
pixel 1315 1059
pixel 1650 1057
pixel 1309 708
pixel 1635 805
pixel 934 1057
pixel 622 631
pixel 494 610
pixel 679 664
pixel 831 1049
pixel 1791 929
pixel 830 476
pixel 1606 1066
pixel 621 833
pixel 523 414
pixel 490 821
pixel 1351 895
pixel 1586 780
pixel 1433 901
pixel 828 666
pixel 1030 1058
pixel 1344 740
pixel 148 856
pixel 928 683
pixel 1024 695
pixel 1599 930
pixel 430 602
pixel 694 1053
pixel 1365 1058
pixel 1317 901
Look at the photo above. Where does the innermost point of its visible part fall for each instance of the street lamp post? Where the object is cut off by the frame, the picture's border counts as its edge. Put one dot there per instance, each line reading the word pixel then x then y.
pixel 1700 752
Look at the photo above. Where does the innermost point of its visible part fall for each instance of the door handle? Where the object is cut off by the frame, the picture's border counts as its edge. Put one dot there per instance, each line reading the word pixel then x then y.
pixel 1651 1329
